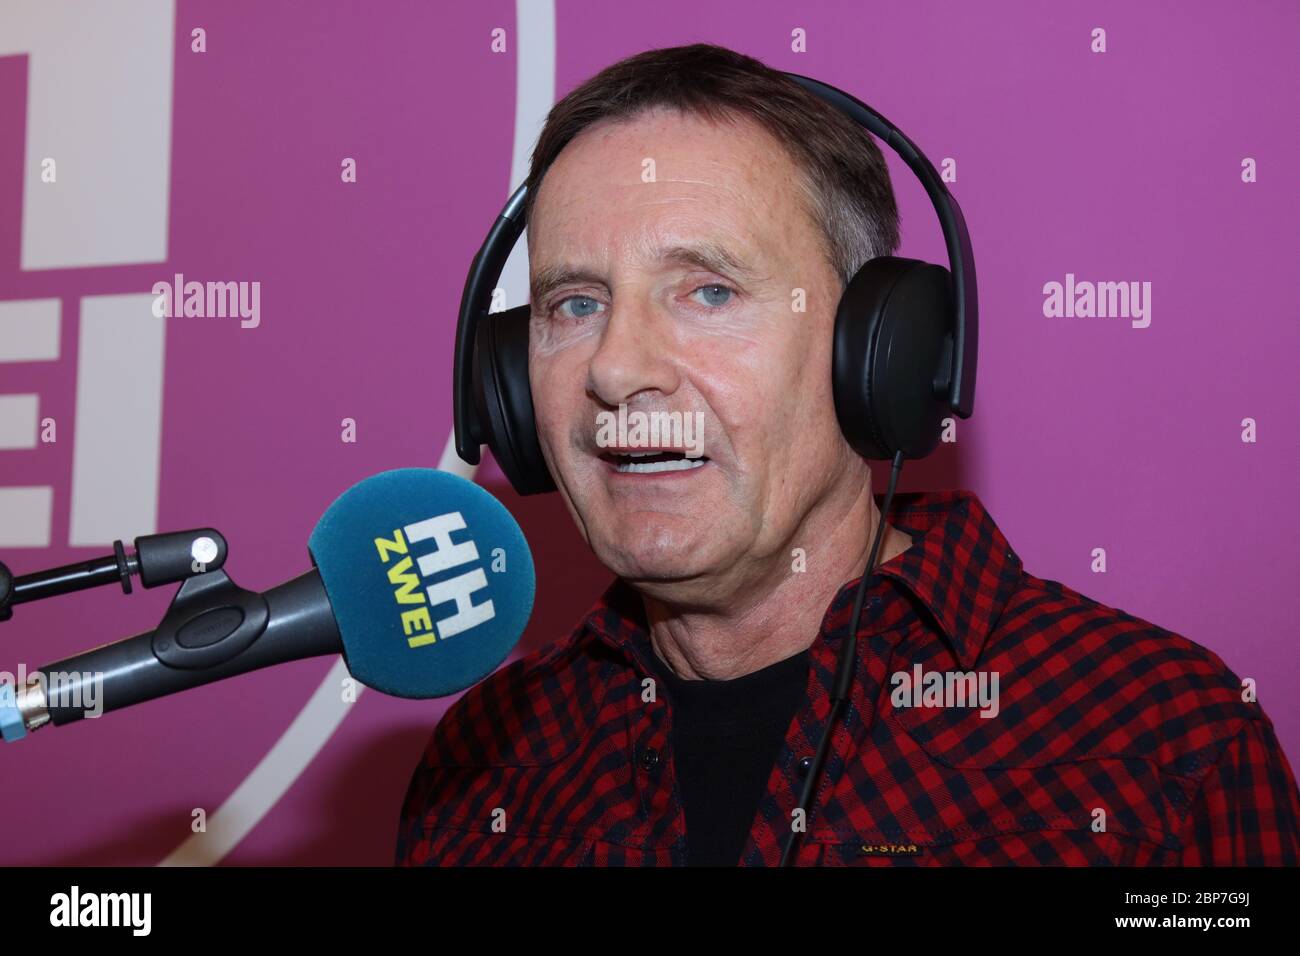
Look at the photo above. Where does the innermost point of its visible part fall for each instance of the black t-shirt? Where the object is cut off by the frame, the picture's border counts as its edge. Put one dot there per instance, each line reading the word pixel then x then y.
pixel 726 736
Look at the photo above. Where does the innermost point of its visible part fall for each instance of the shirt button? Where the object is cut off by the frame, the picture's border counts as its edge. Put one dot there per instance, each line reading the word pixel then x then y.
pixel 649 759
pixel 804 766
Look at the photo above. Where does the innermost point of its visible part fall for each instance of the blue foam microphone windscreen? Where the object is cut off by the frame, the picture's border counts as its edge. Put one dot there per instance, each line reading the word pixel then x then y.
pixel 430 579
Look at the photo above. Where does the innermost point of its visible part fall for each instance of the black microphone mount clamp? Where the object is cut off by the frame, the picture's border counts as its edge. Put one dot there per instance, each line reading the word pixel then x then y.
pixel 155 558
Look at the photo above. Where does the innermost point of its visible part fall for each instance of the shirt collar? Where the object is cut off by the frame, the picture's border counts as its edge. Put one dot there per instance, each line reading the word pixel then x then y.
pixel 959 567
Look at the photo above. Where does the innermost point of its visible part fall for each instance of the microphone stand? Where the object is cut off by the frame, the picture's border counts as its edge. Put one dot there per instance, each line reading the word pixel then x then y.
pixel 210 631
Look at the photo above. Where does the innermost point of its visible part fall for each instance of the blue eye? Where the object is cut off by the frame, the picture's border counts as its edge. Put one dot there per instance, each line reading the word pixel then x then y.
pixel 716 295
pixel 584 306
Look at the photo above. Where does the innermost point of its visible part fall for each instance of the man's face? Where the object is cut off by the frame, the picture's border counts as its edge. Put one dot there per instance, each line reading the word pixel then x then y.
pixel 681 295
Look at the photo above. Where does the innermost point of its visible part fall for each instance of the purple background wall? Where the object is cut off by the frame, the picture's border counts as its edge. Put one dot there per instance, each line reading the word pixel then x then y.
pixel 1088 432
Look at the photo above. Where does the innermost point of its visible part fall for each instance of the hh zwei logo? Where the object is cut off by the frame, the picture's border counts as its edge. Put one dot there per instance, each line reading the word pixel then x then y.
pixel 421 582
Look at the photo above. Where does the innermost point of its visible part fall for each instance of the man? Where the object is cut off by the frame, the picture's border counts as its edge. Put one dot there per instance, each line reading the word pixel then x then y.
pixel 679 202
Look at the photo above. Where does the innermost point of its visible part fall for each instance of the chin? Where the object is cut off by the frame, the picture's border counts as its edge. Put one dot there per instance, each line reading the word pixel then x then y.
pixel 658 553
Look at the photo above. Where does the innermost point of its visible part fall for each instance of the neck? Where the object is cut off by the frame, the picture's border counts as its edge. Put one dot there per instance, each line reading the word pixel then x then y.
pixel 777 612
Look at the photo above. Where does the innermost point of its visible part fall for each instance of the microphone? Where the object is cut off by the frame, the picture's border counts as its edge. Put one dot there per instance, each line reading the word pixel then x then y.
pixel 422 580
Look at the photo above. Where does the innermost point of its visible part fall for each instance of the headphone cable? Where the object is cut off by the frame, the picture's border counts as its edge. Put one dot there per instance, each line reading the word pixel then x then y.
pixel 844 669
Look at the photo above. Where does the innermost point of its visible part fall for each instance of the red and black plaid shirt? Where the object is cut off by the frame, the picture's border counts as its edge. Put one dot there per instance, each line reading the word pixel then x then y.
pixel 1115 741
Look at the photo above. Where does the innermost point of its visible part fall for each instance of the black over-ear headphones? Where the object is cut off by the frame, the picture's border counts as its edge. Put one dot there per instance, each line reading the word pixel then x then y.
pixel 904 351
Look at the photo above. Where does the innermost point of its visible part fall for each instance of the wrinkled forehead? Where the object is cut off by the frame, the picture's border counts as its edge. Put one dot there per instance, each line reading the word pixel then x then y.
pixel 633 188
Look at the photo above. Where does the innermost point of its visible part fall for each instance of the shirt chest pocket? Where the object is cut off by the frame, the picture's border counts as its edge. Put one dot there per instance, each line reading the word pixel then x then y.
pixel 445 844
pixel 1024 841
pixel 954 793
pixel 468 844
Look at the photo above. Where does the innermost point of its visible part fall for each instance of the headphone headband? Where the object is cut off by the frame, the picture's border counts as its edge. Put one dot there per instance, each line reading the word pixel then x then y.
pixel 491 258
pixel 961 260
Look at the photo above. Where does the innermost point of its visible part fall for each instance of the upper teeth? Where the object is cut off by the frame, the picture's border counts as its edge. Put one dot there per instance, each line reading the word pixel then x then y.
pixel 645 467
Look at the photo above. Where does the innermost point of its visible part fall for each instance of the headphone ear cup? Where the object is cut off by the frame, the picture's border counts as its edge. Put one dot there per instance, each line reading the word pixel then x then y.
pixel 505 400
pixel 893 334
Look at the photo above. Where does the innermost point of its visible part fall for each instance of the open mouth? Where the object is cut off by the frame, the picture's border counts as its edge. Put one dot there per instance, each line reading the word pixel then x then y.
pixel 652 462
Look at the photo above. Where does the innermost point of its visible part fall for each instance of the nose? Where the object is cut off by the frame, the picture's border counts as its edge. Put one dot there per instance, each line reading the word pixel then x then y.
pixel 637 353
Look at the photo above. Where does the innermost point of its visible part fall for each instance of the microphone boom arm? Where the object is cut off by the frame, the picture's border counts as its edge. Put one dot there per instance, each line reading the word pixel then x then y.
pixel 213 629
